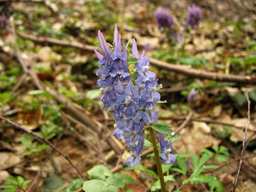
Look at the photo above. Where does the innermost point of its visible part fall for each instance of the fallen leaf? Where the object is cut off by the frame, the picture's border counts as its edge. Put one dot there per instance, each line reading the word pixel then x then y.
pixel 8 160
pixel 196 139
pixel 246 186
pixel 3 176
pixel 238 134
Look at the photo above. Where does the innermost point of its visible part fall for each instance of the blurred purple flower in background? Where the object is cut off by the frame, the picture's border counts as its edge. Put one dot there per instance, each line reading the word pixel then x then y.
pixel 194 15
pixel 192 94
pixel 132 104
pixel 4 14
pixel 164 18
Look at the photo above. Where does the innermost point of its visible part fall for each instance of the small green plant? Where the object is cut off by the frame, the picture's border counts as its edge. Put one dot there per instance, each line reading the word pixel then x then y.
pixel 198 176
pixel 103 180
pixel 194 174
pixel 15 183
pixel 5 97
pixel 31 147
pixel 51 127
pixel 200 166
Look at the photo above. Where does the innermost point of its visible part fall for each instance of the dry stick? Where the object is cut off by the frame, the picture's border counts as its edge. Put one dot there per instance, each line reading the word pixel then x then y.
pixel 203 74
pixel 170 67
pixel 52 41
pixel 204 120
pixel 42 140
pixel 244 144
pixel 185 122
pixel 208 121
pixel 157 159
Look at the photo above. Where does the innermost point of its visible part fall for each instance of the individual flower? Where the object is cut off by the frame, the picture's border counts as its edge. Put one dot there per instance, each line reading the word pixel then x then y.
pixel 166 154
pixel 192 94
pixel 194 15
pixel 164 18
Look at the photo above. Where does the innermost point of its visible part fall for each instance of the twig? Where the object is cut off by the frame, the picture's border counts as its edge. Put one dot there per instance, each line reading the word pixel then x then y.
pixel 168 66
pixel 157 159
pixel 207 121
pixel 203 74
pixel 52 41
pixel 42 140
pixel 244 144
pixel 184 124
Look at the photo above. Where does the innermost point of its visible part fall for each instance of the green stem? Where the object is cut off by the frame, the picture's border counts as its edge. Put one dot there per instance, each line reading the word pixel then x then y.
pixel 157 159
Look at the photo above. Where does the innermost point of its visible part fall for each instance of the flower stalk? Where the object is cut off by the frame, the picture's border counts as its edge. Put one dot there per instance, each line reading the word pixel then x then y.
pixel 157 159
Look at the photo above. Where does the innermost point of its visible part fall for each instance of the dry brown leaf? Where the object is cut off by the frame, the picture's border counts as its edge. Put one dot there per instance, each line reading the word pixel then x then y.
pixel 247 186
pixel 8 160
pixel 238 134
pixel 196 139
pixel 3 176
pixel 30 120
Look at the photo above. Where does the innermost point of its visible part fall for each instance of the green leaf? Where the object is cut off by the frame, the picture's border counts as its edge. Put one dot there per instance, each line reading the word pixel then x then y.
pixel 222 153
pixel 182 165
pixel 239 99
pixel 147 143
pixel 156 185
pixel 99 172
pixel 252 94
pixel 119 180
pixel 166 167
pixel 50 130
pixel 161 128
pixel 192 61
pixel 5 97
pixel 32 147
pixel 97 185
pixel 14 184
pixel 250 60
pixel 74 185
pixel 199 164
pixel 147 171
pixel 52 183
pixel 39 93
pixel 214 184
pixel 93 94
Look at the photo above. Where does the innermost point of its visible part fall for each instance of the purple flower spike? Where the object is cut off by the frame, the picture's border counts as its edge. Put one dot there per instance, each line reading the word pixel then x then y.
pixel 164 18
pixel 132 104
pixel 194 15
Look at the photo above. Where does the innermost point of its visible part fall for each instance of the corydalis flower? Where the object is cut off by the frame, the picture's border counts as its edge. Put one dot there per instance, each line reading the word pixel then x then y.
pixel 194 15
pixel 166 154
pixel 164 18
pixel 132 104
